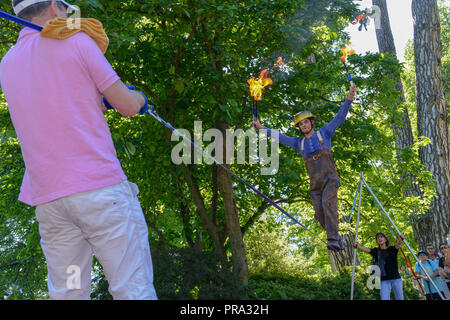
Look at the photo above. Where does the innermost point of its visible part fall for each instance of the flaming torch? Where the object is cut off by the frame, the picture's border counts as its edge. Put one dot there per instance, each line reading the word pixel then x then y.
pixel 256 88
pixel 346 52
pixel 362 19
pixel 257 85
pixel 280 64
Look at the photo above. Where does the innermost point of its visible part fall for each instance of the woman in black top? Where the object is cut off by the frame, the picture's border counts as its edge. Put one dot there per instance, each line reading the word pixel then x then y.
pixel 385 257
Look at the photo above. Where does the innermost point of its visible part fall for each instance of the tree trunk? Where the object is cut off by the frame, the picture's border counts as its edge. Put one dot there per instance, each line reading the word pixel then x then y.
pixel 422 228
pixel 402 133
pixel 432 118
pixel 344 257
pixel 239 257
pixel 205 218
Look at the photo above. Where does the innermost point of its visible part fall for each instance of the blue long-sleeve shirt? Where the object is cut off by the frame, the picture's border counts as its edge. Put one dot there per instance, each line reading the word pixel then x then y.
pixel 312 144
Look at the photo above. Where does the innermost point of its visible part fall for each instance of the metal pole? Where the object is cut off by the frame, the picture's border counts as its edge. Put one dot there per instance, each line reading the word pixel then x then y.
pixel 353 207
pixel 356 239
pixel 354 202
pixel 404 240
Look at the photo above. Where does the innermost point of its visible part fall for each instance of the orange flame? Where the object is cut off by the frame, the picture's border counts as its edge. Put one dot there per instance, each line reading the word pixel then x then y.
pixel 347 51
pixel 279 63
pixel 360 17
pixel 257 85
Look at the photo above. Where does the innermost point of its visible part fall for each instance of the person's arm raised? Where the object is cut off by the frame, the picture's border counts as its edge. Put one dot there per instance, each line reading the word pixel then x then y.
pixel 399 243
pixel 339 118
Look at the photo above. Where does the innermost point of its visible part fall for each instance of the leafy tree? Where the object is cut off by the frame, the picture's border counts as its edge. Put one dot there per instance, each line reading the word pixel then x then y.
pixel 192 59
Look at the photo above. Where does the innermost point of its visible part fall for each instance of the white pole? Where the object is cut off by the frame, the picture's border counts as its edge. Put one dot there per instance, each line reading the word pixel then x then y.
pixel 404 240
pixel 356 239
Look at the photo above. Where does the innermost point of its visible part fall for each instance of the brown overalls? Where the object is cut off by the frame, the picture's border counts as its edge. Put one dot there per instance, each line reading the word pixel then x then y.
pixel 324 184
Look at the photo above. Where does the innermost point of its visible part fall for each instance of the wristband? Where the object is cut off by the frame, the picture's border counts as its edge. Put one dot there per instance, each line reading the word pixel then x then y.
pixel 107 104
pixel 145 107
pixel 349 77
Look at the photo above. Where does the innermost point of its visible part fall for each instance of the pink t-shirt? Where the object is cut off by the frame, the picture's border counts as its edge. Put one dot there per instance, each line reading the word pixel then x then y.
pixel 53 89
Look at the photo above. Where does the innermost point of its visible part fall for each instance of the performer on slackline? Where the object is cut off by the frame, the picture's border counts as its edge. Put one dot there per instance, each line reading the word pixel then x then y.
pixel 315 147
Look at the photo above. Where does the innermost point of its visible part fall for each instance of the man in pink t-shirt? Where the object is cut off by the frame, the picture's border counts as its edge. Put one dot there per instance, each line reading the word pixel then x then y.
pixel 84 203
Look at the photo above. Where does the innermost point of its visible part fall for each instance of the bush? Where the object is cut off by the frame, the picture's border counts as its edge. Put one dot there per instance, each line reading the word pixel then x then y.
pixel 320 287
pixel 185 274
pixel 190 274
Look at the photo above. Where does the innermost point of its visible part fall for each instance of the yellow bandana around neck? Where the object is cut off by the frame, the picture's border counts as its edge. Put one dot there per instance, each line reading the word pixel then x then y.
pixel 60 28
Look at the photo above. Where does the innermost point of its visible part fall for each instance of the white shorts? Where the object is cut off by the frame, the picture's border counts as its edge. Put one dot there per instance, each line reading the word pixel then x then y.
pixel 107 223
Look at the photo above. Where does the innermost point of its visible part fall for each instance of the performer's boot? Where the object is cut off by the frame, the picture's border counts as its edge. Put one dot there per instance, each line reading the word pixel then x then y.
pixel 336 245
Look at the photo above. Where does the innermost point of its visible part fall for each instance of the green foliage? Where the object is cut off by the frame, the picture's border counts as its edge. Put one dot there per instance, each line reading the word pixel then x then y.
pixel 269 250
pixel 320 287
pixel 189 274
pixel 184 274
pixel 22 264
pixel 192 59
pixel 192 274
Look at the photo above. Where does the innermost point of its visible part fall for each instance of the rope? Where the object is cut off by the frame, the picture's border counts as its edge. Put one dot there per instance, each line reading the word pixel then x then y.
pixel 410 268
pixel 26 23
pixel 351 212
pixel 393 224
pixel 168 125
pixel 356 239
pixel 403 253
pixel 354 201
pixel 407 261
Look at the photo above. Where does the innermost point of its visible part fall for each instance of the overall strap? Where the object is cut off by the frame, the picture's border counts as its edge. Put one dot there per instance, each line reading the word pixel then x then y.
pixel 302 146
pixel 320 139
pixel 320 136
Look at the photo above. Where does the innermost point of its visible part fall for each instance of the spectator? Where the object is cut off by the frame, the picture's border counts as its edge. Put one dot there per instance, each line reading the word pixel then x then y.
pixel 385 257
pixel 445 276
pixel 85 204
pixel 433 272
pixel 404 272
pixel 432 254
